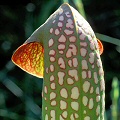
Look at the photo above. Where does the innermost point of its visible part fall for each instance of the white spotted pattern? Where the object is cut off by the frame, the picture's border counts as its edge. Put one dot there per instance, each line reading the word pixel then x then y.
pixel 84 65
pixel 61 63
pixel 83 52
pixel 82 37
pixel 52 113
pixel 98 110
pixel 64 93
pixel 73 73
pixel 73 62
pixel 72 68
pixel 72 39
pixel 64 114
pixel 75 106
pixel 57 32
pixel 70 81
pixel 68 14
pixel 61 46
pixel 95 77
pixel 85 100
pixel 89 74
pixel 61 77
pixel 63 105
pixel 84 74
pixel 72 50
pixel 91 90
pixel 68 32
pixel 98 98
pixel 46 117
pixel 52 52
pixel 52 59
pixel 86 86
pixel 46 89
pixel 52 78
pixel 51 42
pixel 52 68
pixel 53 103
pixel 60 24
pixel 83 44
pixel 74 116
pixel 97 91
pixel 75 93
pixel 69 24
pixel 52 85
pixel 91 59
pixel 62 39
pixel 87 118
pixel 61 18
pixel 51 30
pixel 52 95
pixel 91 103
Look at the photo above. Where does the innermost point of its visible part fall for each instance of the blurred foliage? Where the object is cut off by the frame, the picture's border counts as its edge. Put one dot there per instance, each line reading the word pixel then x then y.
pixel 20 93
pixel 115 98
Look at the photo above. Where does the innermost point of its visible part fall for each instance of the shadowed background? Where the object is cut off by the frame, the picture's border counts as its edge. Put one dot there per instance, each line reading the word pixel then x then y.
pixel 20 93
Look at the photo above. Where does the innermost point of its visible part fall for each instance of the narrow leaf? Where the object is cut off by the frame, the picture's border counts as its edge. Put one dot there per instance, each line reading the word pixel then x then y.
pixel 108 39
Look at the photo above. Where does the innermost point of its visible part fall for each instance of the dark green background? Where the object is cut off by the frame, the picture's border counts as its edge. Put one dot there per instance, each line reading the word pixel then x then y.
pixel 20 93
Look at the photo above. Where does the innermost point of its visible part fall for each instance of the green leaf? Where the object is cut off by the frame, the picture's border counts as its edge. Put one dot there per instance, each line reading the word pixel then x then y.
pixel 80 7
pixel 108 39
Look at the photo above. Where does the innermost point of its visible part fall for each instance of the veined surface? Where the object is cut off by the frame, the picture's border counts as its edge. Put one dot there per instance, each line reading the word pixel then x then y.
pixel 73 73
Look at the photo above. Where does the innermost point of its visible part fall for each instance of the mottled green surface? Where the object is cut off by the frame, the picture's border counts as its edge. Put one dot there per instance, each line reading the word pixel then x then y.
pixel 73 86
